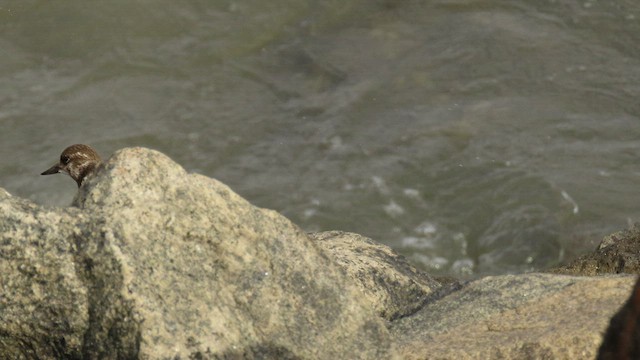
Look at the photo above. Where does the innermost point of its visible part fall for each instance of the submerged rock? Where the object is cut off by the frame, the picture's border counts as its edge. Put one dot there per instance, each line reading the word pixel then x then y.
pixel 155 263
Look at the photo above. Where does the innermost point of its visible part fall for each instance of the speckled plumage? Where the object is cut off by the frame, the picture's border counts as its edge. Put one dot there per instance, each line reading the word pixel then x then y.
pixel 77 161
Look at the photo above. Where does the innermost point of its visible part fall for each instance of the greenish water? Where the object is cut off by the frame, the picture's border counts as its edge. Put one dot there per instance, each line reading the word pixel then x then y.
pixel 474 137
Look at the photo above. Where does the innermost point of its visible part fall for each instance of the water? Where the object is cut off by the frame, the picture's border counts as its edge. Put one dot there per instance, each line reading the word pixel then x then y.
pixel 474 137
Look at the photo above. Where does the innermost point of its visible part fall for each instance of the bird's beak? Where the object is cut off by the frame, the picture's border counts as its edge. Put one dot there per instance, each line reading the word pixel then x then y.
pixel 52 170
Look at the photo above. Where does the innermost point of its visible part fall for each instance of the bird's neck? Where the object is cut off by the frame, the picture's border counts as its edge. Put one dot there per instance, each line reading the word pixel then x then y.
pixel 87 170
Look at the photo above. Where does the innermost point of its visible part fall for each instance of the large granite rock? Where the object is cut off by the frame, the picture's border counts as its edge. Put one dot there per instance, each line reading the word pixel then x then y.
pixel 155 263
pixel 44 308
pixel 394 288
pixel 528 316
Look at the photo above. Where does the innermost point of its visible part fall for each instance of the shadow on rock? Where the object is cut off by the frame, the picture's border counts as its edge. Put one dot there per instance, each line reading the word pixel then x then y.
pixel 622 339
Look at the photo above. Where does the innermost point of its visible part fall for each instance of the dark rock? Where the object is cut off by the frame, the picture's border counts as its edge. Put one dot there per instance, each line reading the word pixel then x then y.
pixel 617 253
pixel 622 339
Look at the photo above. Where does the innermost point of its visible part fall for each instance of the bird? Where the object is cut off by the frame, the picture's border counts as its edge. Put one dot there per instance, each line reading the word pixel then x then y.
pixel 78 161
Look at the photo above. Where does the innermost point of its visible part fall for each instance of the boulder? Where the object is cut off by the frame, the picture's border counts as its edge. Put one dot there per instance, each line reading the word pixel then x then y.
pixel 44 308
pixel 527 316
pixel 151 262
pixel 617 253
pixel 394 287
pixel 154 263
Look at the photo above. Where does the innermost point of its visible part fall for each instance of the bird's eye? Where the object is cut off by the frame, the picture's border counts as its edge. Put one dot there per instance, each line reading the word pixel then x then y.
pixel 64 159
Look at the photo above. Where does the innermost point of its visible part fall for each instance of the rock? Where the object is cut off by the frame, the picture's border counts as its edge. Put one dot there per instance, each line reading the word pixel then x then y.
pixel 617 253
pixel 394 287
pixel 622 339
pixel 155 263
pixel 528 316
pixel 44 311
